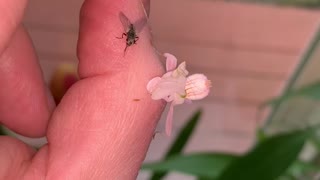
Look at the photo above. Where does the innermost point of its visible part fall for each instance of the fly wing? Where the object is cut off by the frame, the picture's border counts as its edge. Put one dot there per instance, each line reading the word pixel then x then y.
pixel 125 21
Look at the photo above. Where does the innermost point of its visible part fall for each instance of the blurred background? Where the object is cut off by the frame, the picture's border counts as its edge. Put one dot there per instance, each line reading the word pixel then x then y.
pixel 251 51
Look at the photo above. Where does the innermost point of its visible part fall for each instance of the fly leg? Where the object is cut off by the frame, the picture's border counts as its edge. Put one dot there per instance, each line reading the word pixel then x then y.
pixel 125 49
pixel 123 34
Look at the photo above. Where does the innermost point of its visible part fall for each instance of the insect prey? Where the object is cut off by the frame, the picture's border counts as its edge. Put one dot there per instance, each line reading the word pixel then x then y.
pixel 130 30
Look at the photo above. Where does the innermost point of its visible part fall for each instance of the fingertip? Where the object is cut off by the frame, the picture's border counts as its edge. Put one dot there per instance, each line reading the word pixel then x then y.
pixel 25 100
pixel 99 49
pixel 11 13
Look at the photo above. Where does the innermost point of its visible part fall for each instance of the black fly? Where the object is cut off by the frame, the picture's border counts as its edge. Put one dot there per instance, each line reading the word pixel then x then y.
pixel 130 31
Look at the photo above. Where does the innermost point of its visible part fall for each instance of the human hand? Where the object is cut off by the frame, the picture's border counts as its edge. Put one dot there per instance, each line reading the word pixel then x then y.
pixel 99 130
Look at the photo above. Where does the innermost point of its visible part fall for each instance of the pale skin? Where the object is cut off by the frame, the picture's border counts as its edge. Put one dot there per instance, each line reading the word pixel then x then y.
pixel 98 131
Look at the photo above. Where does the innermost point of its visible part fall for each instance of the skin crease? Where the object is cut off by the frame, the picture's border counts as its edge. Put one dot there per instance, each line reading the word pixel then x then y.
pixel 98 131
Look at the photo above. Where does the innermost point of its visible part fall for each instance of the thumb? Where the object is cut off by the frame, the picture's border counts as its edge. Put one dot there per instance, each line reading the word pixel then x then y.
pixel 105 122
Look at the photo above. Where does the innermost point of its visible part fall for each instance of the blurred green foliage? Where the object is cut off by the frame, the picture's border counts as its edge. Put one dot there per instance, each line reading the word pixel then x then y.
pixel 311 91
pixel 180 142
pixel 268 160
pixel 205 165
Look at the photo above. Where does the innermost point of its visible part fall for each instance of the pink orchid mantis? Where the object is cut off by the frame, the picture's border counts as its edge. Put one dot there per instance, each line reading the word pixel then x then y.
pixel 175 87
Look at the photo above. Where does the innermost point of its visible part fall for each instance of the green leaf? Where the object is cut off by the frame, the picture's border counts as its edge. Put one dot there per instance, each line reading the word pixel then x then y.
pixel 269 159
pixel 180 141
pixel 206 165
pixel 300 168
pixel 311 91
pixel 315 140
pixel 260 135
pixel 299 72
